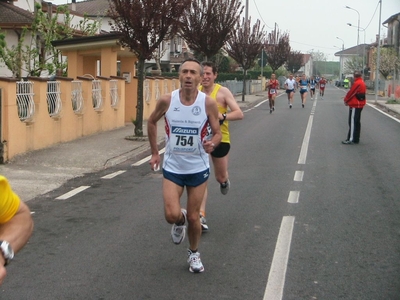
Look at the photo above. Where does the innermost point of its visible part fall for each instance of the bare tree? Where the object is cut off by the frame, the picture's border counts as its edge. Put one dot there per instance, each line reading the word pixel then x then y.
pixel 244 45
pixel 389 62
pixel 350 65
pixel 277 48
pixel 294 61
pixel 207 24
pixel 143 25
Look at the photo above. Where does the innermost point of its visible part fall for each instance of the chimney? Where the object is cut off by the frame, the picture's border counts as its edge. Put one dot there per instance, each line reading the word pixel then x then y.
pixel 73 6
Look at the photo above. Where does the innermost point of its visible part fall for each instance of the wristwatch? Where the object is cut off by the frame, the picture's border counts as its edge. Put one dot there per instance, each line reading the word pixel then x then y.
pixel 8 252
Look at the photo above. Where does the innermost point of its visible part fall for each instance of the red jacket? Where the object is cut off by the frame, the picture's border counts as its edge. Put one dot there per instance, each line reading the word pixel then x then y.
pixel 357 87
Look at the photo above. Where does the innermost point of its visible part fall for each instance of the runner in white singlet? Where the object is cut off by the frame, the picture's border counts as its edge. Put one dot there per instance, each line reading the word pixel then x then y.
pixel 187 113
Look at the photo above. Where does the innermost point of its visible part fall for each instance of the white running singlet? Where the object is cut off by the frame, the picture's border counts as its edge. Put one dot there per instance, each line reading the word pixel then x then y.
pixel 290 83
pixel 185 128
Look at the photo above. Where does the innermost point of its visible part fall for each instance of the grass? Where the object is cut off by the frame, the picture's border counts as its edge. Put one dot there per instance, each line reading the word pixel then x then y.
pixel 393 101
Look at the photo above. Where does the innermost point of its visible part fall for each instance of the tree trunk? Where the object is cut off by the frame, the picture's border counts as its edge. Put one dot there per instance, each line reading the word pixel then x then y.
pixel 244 85
pixel 139 107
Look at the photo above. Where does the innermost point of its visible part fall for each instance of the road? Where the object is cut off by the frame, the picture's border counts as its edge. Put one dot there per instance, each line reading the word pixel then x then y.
pixel 306 218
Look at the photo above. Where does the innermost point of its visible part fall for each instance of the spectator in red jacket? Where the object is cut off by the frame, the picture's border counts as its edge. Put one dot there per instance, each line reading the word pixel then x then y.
pixel 355 100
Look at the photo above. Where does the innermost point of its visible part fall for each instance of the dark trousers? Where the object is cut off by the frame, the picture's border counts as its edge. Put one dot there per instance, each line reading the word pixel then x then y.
pixel 354 124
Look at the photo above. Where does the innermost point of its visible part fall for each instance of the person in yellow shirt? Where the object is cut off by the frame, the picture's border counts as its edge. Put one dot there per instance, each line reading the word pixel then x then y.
pixel 16 225
pixel 229 110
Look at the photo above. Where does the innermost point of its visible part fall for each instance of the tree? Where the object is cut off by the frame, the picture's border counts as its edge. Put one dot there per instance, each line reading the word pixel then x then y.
pixel 206 24
pixel 277 48
pixel 318 57
pixel 244 45
pixel 143 25
pixel 294 61
pixel 389 61
pixel 352 64
pixel 220 60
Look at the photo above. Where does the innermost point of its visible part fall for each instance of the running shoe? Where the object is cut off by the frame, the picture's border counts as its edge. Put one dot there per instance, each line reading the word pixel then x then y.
pixel 195 265
pixel 273 108
pixel 347 142
pixel 270 111
pixel 302 105
pixel 203 222
pixel 178 232
pixel 224 187
pixel 290 105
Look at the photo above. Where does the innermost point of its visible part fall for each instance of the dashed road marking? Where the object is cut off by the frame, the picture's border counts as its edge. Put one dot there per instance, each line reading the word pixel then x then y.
pixel 294 197
pixel 73 192
pixel 147 158
pixel 277 273
pixel 112 175
pixel 298 176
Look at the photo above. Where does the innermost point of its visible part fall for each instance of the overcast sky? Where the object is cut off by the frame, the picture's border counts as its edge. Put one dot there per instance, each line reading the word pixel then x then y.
pixel 313 25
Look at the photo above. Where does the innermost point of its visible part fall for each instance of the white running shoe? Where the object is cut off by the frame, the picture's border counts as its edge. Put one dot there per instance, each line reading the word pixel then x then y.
pixel 195 265
pixel 178 232
pixel 224 187
pixel 203 222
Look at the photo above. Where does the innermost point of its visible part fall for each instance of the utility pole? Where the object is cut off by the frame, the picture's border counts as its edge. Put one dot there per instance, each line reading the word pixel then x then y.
pixel 247 10
pixel 378 56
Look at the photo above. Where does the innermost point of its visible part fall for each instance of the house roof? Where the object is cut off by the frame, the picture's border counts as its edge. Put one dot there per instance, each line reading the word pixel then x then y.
pixel 93 8
pixel 392 18
pixel 12 16
pixel 353 50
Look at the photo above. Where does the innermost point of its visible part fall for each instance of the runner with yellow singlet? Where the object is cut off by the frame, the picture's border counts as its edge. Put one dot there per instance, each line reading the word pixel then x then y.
pixel 15 225
pixel 229 110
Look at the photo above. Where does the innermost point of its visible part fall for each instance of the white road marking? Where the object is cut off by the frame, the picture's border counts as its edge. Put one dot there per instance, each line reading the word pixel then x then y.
pixel 277 273
pixel 306 140
pixel 294 197
pixel 146 159
pixel 260 103
pixel 73 192
pixel 386 114
pixel 298 176
pixel 112 175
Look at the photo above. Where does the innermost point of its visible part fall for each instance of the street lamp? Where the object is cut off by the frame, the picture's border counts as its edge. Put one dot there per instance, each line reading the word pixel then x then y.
pixel 363 29
pixel 358 31
pixel 341 61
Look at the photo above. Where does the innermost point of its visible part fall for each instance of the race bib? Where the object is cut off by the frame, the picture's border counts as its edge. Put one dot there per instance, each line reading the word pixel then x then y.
pixel 313 86
pixel 184 140
pixel 272 91
pixel 322 85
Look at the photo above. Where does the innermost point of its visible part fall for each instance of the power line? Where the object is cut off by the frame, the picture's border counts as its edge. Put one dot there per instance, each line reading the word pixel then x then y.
pixel 260 15
pixel 376 8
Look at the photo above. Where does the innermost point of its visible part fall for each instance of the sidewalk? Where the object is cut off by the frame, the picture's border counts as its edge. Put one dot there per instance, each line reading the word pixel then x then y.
pixel 38 172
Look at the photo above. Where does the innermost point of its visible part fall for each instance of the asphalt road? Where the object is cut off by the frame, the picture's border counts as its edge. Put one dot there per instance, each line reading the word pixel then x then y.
pixel 306 218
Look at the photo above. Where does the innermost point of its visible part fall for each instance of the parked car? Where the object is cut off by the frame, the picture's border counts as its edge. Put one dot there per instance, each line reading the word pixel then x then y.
pixel 339 83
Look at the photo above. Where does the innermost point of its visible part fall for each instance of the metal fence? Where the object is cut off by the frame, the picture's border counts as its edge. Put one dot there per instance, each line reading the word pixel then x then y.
pixel 25 103
pixel 157 89
pixel 146 91
pixel 236 86
pixel 96 94
pixel 114 93
pixel 76 96
pixel 53 98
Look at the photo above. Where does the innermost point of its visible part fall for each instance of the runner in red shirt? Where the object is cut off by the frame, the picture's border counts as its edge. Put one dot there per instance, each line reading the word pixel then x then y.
pixel 272 86
pixel 322 84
